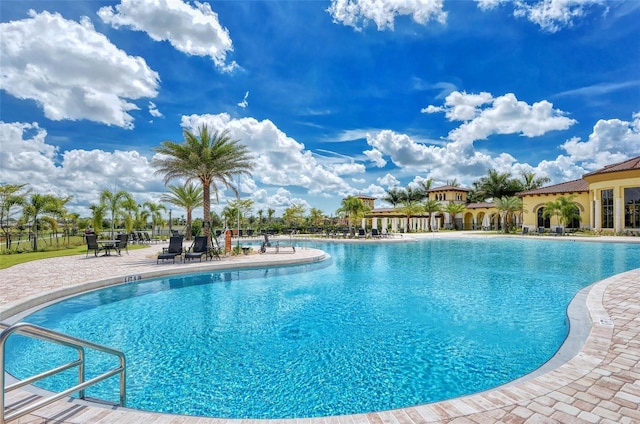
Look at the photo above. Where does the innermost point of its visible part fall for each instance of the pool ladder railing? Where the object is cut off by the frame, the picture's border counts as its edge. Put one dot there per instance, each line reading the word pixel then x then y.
pixel 34 331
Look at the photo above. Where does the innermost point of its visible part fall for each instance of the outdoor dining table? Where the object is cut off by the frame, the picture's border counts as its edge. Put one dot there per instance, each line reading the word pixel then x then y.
pixel 107 245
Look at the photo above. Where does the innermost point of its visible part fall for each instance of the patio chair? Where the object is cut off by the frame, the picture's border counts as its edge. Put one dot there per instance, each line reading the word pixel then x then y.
pixel 362 233
pixel 375 233
pixel 199 249
pixel 215 250
pixel 93 245
pixel 122 243
pixel 174 249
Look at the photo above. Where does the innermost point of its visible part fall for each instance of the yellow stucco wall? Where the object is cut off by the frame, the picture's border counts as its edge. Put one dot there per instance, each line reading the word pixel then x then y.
pixel 533 203
pixel 616 181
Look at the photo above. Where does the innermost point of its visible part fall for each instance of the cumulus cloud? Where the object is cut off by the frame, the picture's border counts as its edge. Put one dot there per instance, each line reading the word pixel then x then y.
pixel 72 71
pixel 484 115
pixel 26 156
pixel 195 31
pixel 549 15
pixel 356 13
pixel 388 181
pixel 375 156
pixel 611 141
pixel 279 159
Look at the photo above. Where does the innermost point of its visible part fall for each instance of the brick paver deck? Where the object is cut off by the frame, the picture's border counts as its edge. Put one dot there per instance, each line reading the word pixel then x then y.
pixel 601 384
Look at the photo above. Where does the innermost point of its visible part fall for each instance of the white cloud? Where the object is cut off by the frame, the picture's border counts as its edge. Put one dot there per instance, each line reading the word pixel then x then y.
pixel 279 159
pixel 356 13
pixel 153 110
pixel 195 31
pixel 27 157
pixel 348 168
pixel 244 103
pixel 549 15
pixel 611 141
pixel 388 181
pixel 485 115
pixel 375 156
pixel 72 71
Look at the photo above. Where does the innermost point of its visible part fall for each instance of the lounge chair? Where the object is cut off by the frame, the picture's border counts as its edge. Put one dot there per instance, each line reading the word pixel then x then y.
pixel 375 233
pixel 93 245
pixel 122 243
pixel 525 230
pixel 199 249
pixel 362 233
pixel 174 249
pixel 559 231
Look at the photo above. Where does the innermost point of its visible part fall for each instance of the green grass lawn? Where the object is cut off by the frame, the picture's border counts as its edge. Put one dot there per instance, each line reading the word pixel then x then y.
pixel 9 260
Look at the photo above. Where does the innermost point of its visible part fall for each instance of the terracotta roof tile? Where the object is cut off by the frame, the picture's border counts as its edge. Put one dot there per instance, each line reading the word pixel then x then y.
pixel 447 188
pixel 633 163
pixel 567 187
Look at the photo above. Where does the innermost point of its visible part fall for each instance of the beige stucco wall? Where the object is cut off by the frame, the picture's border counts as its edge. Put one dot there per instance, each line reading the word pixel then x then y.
pixel 533 203
pixel 617 182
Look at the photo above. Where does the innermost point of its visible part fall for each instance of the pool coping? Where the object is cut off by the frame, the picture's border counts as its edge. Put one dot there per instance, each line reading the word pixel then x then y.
pixel 562 394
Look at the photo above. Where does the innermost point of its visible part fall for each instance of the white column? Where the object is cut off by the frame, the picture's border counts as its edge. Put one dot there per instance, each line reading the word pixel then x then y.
pixel 374 223
pixel 618 215
pixel 364 223
pixel 597 215
pixel 394 224
pixel 385 223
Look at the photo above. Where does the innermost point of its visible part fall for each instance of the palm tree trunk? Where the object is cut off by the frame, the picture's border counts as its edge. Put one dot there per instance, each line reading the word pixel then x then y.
pixel 206 207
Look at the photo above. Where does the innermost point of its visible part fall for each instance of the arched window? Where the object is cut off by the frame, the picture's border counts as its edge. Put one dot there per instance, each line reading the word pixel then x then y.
pixel 542 221
pixel 575 222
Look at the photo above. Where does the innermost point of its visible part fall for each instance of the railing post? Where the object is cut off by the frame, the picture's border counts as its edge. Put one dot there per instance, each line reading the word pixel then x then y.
pixel 81 371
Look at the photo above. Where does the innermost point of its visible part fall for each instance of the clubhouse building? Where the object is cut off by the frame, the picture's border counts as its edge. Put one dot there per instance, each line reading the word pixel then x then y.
pixel 608 201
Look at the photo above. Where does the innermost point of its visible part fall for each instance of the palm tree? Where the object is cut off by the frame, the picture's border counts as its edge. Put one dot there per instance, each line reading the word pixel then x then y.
pixel 188 197
pixel 10 198
pixel 531 182
pixel 496 185
pixel 453 209
pixel 131 210
pixel 208 158
pixel 564 208
pixel 394 196
pixel 411 208
pixel 352 208
pixel 430 207
pixel 425 185
pixel 155 213
pixel 114 204
pixel 98 213
pixel 40 204
pixel 509 206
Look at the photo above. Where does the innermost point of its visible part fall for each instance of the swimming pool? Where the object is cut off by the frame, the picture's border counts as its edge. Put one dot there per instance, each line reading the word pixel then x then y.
pixel 380 327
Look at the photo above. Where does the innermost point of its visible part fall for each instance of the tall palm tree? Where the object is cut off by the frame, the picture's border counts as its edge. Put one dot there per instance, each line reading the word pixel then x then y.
pixel 425 185
pixel 10 198
pixel 411 208
pixel 394 196
pixel 531 182
pixel 114 204
pixel 352 208
pixel 211 159
pixel 98 213
pixel 40 204
pixel 430 207
pixel 155 212
pixel 188 197
pixel 564 208
pixel 453 209
pixel 508 207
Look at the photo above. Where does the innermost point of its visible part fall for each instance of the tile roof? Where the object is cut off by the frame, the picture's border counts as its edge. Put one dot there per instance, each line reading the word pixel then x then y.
pixel 476 205
pixel 447 188
pixel 567 187
pixel 629 164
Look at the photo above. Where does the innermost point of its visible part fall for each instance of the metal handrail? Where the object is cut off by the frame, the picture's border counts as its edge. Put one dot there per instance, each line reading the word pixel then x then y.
pixel 31 330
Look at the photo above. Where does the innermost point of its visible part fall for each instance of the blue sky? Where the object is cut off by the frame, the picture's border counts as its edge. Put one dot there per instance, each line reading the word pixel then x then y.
pixel 331 97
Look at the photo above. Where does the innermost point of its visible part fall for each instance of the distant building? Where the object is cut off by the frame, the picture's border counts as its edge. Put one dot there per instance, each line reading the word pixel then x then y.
pixel 607 199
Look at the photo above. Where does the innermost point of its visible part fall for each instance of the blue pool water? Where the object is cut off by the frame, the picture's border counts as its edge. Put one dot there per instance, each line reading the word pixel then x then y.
pixel 377 327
